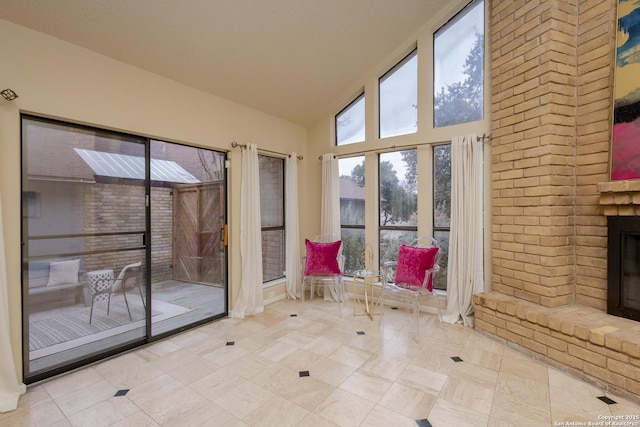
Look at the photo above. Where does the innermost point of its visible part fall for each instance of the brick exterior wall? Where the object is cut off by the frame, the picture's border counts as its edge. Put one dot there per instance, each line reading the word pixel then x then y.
pixel 552 87
pixel 112 207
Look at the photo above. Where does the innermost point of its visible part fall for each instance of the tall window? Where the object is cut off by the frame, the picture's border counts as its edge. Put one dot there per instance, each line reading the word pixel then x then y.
pixel 350 122
pixel 459 68
pixel 442 207
pixel 352 209
pixel 398 181
pixel 399 98
pixel 272 216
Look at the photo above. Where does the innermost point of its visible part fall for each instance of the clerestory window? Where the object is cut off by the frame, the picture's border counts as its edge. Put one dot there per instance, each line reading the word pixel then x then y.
pixel 458 68
pixel 349 122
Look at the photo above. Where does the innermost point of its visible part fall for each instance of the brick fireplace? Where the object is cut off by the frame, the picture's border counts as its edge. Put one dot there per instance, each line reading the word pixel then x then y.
pixel 621 201
pixel 552 87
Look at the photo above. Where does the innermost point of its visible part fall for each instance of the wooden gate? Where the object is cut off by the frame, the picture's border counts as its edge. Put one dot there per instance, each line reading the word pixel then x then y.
pixel 198 233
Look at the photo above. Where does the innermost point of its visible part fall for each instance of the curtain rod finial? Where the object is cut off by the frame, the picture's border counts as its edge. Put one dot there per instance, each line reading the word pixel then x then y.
pixel 484 137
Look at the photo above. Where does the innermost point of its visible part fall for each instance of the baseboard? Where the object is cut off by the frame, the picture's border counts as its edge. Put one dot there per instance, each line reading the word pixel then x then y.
pixel 274 299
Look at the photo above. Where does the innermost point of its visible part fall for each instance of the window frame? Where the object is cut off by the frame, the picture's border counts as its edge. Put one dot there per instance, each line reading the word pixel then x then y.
pixel 361 96
pixel 446 25
pixel 400 228
pixel 352 226
pixel 389 73
pixel 444 261
pixel 282 227
pixel 427 136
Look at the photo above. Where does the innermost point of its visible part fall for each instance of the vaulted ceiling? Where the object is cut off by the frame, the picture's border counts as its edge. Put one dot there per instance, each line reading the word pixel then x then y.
pixel 287 58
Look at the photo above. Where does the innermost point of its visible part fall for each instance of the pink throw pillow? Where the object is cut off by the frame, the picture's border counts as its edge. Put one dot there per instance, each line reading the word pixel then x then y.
pixel 322 258
pixel 412 264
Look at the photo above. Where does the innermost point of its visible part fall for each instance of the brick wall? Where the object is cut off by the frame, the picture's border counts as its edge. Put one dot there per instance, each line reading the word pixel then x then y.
pixel 596 52
pixel 552 77
pixel 552 87
pixel 584 341
pixel 533 51
pixel 118 208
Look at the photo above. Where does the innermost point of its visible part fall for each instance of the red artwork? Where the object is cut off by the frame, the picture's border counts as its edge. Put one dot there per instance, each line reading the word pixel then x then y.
pixel 625 149
pixel 625 157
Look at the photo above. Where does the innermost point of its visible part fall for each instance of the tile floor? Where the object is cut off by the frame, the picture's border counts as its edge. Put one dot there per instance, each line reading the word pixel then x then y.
pixel 305 364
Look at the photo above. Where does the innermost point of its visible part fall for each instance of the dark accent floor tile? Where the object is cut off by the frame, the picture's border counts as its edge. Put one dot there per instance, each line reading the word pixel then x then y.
pixel 360 332
pixel 456 359
pixel 231 342
pixel 121 393
pixel 304 374
pixel 607 400
pixel 423 423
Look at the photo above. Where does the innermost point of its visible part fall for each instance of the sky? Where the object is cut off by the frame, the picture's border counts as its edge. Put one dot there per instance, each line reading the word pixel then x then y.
pixel 399 99
pixel 453 42
pixel 346 164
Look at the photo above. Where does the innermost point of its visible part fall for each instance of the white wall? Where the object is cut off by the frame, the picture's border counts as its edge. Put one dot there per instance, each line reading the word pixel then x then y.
pixel 59 80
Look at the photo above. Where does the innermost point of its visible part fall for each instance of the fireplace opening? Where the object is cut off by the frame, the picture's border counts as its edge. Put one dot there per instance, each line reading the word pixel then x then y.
pixel 623 292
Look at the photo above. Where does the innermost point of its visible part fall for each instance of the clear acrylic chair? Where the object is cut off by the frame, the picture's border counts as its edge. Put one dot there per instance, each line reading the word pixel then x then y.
pixel 412 291
pixel 319 268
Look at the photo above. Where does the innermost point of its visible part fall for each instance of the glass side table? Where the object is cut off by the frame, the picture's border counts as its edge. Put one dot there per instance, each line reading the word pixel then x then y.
pixel 372 292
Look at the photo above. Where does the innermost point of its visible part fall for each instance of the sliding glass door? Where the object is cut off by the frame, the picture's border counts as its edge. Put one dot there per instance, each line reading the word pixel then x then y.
pixel 123 241
pixel 188 236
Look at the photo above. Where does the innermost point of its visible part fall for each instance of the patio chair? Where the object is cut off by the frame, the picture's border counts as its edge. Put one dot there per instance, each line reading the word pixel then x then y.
pixel 105 286
pixel 323 266
pixel 410 278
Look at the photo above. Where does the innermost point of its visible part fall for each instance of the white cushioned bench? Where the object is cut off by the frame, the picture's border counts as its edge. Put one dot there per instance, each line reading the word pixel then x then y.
pixel 55 276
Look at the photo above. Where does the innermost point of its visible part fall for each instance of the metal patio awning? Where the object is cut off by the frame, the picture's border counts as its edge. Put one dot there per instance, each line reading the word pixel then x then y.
pixel 114 165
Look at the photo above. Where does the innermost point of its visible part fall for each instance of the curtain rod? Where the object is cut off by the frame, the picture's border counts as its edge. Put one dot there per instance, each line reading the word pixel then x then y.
pixel 482 138
pixel 235 144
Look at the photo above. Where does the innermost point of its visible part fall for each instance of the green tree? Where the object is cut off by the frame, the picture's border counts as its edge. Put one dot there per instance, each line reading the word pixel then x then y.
pixel 357 174
pixel 410 158
pixel 442 185
pixel 474 72
pixel 398 200
pixel 352 245
pixel 462 102
pixel 396 204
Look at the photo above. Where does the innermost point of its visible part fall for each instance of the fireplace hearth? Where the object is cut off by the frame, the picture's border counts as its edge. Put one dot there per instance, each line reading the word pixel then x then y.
pixel 623 291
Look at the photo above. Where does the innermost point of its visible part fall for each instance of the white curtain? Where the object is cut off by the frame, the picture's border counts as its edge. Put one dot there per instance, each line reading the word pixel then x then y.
pixel 292 231
pixel 250 300
pixel 465 271
pixel 330 208
pixel 10 387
